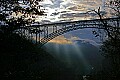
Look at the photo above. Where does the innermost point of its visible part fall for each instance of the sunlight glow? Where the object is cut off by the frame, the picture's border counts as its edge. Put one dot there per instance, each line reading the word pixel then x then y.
pixel 67 55
pixel 61 40
pixel 80 54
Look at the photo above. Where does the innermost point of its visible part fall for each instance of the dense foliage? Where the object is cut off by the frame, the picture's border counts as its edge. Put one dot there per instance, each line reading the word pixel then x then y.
pixel 16 13
pixel 110 48
pixel 114 5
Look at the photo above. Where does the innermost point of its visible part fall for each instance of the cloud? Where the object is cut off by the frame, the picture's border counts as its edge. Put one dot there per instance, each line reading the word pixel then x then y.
pixel 60 40
pixel 68 10
pixel 72 38
pixel 75 40
pixel 88 41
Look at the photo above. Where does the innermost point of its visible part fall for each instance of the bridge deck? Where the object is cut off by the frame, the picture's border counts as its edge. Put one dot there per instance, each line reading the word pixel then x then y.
pixel 42 33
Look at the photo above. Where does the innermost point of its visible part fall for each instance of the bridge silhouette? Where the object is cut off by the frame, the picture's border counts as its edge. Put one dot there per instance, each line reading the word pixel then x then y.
pixel 42 33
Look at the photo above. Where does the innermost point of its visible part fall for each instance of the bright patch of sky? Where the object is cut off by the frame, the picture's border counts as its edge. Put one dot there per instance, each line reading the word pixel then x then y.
pixel 68 10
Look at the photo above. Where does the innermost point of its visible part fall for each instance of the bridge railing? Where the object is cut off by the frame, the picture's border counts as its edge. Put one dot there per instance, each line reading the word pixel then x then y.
pixel 42 33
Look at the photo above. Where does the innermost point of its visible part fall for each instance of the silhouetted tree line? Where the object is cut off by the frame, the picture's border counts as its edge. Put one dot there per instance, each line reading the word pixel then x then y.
pixel 110 48
pixel 16 13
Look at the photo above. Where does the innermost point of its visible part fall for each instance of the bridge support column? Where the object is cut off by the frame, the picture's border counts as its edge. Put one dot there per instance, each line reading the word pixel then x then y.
pixel 31 36
pixel 36 34
pixel 39 35
pixel 118 22
pixel 20 32
pixel 28 33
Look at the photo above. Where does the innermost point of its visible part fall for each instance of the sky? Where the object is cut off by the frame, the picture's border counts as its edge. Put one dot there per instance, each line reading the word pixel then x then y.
pixel 69 10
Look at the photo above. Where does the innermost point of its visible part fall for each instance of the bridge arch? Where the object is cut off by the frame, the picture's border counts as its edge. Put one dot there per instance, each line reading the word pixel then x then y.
pixel 64 27
pixel 63 31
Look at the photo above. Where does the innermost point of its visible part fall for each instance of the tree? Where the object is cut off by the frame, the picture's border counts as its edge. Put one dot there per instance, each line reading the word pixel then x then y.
pixel 114 5
pixel 16 13
pixel 15 50
pixel 113 31
pixel 111 46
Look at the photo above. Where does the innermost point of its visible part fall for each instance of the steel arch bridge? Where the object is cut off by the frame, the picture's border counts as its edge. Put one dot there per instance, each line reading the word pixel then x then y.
pixel 42 33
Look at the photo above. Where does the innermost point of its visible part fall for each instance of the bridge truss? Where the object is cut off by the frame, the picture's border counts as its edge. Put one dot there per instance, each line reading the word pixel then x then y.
pixel 42 33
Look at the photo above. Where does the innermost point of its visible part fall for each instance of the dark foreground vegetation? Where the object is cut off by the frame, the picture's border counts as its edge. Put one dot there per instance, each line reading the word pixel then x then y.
pixel 22 60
